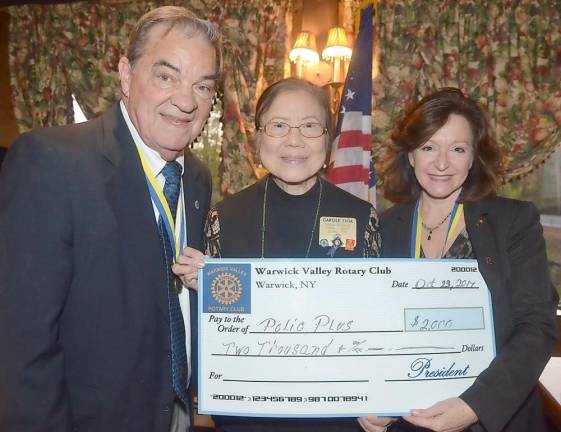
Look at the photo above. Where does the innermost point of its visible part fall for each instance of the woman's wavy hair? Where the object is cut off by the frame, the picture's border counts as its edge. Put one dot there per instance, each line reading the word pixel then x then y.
pixel 419 123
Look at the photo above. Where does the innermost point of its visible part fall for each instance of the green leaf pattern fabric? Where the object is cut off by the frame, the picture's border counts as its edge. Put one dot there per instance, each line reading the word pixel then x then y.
pixel 504 53
pixel 64 49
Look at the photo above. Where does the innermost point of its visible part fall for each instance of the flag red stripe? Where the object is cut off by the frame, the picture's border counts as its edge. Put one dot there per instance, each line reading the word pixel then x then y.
pixel 354 138
pixel 347 174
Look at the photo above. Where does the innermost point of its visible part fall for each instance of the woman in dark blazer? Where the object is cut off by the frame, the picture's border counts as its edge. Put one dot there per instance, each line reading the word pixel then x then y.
pixel 441 169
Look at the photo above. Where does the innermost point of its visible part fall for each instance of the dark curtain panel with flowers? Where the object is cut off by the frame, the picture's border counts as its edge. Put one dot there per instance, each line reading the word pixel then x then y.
pixel 255 34
pixel 64 49
pixel 505 54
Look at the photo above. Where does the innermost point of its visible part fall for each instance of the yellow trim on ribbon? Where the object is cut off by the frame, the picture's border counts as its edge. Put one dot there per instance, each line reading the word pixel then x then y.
pixel 163 201
pixel 457 214
pixel 419 227
pixel 454 223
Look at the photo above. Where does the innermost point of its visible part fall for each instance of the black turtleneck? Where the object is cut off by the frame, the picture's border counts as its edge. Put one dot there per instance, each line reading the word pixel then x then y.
pixel 235 224
pixel 289 220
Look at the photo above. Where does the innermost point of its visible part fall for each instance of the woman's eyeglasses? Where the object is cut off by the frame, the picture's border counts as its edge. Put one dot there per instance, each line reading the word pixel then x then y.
pixel 278 129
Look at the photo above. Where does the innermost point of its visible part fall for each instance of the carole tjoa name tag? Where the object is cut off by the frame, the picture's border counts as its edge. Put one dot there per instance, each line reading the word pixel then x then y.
pixel 338 231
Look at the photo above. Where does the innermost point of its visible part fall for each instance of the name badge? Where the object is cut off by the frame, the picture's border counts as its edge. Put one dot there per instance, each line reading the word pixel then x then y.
pixel 337 231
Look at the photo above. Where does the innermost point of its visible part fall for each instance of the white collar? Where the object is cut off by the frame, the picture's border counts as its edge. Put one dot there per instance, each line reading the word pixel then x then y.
pixel 153 158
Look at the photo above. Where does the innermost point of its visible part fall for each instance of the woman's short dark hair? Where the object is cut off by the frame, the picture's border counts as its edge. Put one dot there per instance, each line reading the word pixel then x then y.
pixel 294 84
pixel 419 123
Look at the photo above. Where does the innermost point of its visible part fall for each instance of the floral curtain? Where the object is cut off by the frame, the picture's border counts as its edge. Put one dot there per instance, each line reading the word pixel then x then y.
pixel 64 49
pixel 255 34
pixel 505 54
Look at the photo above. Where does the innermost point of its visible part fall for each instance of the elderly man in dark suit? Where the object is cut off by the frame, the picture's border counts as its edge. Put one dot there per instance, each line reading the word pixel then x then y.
pixel 94 324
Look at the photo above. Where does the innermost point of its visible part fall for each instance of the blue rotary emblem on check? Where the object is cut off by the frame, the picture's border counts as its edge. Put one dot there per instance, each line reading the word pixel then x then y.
pixel 227 288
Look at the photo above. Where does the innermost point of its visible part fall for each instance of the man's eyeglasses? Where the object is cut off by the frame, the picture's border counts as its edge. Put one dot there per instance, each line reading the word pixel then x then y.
pixel 278 129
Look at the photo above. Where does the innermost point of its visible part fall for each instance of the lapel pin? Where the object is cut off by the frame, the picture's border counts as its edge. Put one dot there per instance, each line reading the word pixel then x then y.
pixel 197 204
pixel 489 260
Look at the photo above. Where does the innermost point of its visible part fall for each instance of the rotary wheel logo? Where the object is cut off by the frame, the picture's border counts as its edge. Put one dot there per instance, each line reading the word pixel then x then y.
pixel 226 288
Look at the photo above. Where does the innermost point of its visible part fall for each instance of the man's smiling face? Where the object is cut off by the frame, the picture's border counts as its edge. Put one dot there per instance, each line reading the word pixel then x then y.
pixel 168 91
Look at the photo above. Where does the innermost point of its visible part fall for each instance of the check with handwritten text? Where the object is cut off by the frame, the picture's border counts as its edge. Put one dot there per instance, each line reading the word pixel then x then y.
pixel 339 338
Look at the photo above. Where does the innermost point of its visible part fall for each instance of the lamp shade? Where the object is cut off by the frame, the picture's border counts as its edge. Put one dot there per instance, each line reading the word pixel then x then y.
pixel 304 48
pixel 337 46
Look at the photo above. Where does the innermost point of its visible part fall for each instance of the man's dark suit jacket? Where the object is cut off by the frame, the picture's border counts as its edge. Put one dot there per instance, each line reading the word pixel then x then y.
pixel 84 326
pixel 508 241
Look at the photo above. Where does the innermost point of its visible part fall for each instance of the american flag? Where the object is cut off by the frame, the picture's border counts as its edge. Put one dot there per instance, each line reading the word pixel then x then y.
pixel 351 167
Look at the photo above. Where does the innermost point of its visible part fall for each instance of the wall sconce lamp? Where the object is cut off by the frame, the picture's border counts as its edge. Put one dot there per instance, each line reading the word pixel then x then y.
pixel 304 54
pixel 336 49
pixel 304 51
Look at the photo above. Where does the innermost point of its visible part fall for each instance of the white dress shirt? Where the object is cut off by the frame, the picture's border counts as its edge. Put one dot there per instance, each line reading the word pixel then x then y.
pixel 156 164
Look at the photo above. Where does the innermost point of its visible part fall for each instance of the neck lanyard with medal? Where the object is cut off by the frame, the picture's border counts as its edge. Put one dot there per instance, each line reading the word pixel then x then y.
pixel 176 234
pixel 416 226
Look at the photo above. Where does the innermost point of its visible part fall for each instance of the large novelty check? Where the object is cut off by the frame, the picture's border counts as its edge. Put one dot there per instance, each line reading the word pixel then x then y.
pixel 323 338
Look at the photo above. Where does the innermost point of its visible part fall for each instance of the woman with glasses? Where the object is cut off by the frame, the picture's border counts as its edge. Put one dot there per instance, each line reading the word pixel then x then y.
pixel 282 215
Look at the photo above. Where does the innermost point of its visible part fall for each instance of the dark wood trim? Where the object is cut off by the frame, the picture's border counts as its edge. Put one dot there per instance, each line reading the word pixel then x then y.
pixel 551 406
pixel 8 126
pixel 557 347
pixel 4 3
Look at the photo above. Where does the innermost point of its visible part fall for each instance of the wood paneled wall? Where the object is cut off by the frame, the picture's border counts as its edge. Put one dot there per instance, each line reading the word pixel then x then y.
pixel 8 128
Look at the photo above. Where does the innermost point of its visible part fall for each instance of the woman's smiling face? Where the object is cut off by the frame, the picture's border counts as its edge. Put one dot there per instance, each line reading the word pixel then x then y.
pixel 442 164
pixel 293 160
